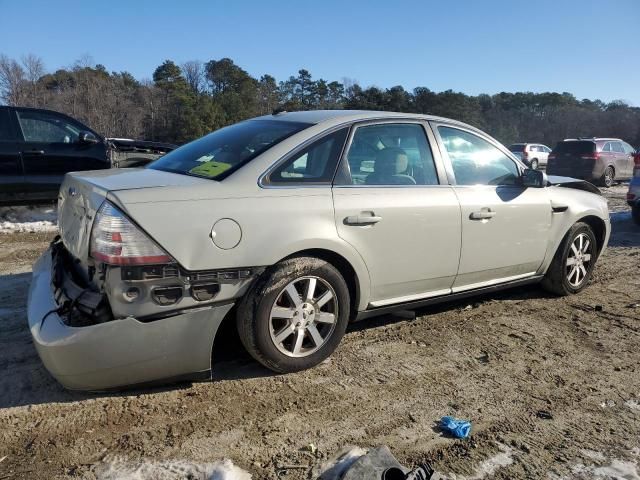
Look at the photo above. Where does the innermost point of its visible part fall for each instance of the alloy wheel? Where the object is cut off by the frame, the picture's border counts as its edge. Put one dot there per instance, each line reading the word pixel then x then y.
pixel 303 317
pixel 579 260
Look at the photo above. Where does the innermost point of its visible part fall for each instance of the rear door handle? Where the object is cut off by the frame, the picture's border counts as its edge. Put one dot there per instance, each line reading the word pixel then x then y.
pixel 484 214
pixel 34 152
pixel 364 218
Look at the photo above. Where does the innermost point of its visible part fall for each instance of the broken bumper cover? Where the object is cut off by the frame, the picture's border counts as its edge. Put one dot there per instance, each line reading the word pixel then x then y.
pixel 122 352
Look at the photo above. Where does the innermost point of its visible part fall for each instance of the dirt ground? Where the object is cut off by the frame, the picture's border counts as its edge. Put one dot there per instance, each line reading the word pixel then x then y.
pixel 551 385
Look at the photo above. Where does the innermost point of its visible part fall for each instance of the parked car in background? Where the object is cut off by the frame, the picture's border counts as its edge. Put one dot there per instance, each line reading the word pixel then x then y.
pixel 633 195
pixel 533 155
pixel 599 160
pixel 38 147
pixel 303 222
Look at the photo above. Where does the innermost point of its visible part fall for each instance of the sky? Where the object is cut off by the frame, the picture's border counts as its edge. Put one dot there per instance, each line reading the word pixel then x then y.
pixel 587 47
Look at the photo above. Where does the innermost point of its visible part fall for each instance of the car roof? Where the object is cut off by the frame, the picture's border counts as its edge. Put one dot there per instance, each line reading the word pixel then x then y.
pixel 336 117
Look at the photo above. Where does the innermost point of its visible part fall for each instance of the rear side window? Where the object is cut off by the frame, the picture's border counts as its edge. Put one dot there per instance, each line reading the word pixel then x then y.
pixel 220 153
pixel 315 164
pixel 575 148
pixel 475 161
pixel 607 147
pixel 6 130
pixel 391 154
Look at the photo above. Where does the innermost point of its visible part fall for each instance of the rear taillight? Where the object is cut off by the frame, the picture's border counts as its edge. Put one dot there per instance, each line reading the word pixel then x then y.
pixel 590 156
pixel 630 196
pixel 525 154
pixel 117 241
pixel 636 159
pixel 552 156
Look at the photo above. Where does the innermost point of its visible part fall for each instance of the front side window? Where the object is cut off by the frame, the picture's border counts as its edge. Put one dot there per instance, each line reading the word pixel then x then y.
pixel 315 164
pixel 391 154
pixel 220 153
pixel 475 161
pixel 44 127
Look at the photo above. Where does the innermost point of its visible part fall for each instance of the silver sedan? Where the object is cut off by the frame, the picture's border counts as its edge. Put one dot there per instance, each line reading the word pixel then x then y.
pixel 292 225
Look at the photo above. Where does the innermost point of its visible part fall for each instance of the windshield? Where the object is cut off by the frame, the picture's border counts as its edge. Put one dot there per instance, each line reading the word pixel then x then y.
pixel 575 147
pixel 517 147
pixel 218 154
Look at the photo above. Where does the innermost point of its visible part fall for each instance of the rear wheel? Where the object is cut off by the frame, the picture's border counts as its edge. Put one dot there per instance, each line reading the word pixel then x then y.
pixel 295 315
pixel 573 263
pixel 608 177
pixel 534 164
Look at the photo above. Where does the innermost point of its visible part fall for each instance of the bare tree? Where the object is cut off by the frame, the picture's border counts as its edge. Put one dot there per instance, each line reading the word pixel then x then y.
pixel 193 72
pixel 12 78
pixel 34 70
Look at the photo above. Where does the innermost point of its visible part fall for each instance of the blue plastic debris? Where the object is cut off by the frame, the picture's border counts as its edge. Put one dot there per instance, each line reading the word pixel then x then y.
pixel 455 427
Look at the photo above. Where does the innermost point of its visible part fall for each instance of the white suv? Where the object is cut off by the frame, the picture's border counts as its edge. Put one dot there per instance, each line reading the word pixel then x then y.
pixel 533 155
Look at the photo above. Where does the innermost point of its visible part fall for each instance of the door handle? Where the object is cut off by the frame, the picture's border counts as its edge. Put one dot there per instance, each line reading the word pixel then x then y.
pixel 34 152
pixel 364 218
pixel 484 214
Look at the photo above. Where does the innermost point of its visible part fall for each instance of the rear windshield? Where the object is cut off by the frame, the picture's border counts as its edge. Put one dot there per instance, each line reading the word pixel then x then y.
pixel 218 154
pixel 575 147
pixel 517 147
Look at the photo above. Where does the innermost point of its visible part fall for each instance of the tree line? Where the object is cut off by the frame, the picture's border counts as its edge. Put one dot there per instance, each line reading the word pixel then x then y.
pixel 183 102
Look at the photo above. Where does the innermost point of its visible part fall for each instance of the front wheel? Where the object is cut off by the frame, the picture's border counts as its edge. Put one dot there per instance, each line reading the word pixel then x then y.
pixel 573 263
pixel 295 315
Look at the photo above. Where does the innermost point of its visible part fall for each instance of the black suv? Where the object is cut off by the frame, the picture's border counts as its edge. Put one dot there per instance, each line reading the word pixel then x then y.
pixel 38 147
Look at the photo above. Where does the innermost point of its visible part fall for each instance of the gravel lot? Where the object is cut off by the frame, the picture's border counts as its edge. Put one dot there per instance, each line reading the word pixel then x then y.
pixel 497 360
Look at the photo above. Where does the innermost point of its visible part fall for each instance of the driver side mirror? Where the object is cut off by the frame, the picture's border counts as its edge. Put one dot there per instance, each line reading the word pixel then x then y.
pixel 87 138
pixel 534 178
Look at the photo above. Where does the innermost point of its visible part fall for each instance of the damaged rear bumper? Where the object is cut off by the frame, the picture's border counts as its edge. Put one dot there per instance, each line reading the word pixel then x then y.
pixel 120 352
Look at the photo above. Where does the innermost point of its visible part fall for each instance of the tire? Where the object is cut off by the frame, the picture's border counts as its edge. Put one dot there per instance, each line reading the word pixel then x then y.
pixel 635 214
pixel 287 338
pixel 560 277
pixel 608 177
pixel 534 164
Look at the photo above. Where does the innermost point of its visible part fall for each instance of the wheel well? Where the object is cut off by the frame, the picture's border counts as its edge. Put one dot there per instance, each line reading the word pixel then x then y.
pixel 598 227
pixel 345 269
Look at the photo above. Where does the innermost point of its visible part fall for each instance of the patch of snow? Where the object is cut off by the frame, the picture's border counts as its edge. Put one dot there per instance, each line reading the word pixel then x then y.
pixel 617 470
pixel 593 455
pixel 340 463
pixel 170 470
pixel 32 218
pixel 632 404
pixel 489 466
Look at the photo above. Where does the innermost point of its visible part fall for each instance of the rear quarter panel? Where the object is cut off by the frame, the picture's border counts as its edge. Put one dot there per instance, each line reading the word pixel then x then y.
pixel 275 224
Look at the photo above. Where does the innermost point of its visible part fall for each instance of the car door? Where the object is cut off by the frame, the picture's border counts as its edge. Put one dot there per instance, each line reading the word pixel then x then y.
pixel 622 161
pixel 51 147
pixel 544 154
pixel 505 226
pixel 11 174
pixel 393 205
pixel 630 157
